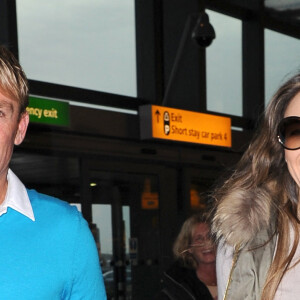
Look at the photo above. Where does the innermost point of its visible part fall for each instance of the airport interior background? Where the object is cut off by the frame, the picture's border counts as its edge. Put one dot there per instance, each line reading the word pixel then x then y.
pixel 97 70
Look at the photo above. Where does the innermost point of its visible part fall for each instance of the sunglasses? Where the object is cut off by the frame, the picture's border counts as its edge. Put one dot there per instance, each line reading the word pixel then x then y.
pixel 289 133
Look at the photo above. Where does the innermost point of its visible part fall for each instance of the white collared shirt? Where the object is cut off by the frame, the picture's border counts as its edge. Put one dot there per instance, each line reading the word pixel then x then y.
pixel 16 197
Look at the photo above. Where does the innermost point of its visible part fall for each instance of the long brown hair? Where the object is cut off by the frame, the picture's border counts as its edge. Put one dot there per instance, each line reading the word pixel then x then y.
pixel 263 174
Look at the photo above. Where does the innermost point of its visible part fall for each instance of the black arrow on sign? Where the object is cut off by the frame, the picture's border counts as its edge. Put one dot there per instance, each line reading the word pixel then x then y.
pixel 157 115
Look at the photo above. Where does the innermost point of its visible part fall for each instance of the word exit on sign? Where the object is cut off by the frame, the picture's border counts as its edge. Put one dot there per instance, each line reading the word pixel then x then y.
pixel 159 122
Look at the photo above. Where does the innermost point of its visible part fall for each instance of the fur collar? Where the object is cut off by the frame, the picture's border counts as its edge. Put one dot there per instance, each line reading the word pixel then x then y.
pixel 241 215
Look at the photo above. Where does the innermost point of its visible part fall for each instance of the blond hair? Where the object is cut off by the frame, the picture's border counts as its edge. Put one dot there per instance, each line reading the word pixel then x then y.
pixel 13 81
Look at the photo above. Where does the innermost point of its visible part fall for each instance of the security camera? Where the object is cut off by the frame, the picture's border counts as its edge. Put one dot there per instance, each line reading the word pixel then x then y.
pixel 203 33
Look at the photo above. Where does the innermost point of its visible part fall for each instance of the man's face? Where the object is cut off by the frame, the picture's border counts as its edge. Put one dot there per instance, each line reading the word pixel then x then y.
pixel 12 131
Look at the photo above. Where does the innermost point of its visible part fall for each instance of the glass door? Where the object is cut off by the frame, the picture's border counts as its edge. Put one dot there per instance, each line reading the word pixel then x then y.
pixel 125 209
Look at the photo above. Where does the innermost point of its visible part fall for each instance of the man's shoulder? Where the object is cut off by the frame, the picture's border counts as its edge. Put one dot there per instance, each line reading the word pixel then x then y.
pixel 49 207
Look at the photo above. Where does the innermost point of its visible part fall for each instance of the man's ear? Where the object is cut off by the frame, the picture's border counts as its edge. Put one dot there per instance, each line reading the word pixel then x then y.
pixel 22 128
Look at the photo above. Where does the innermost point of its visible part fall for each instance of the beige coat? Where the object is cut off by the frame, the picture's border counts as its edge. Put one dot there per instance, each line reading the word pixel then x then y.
pixel 248 226
pixel 250 269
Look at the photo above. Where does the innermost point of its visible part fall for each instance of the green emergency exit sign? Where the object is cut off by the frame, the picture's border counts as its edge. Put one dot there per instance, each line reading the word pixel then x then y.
pixel 45 111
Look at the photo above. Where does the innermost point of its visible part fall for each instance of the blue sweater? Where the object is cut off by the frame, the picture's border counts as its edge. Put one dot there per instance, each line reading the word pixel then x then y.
pixel 54 257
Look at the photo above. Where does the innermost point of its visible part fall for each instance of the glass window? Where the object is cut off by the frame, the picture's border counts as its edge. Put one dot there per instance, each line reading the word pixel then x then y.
pixel 101 214
pixel 128 240
pixel 82 43
pixel 282 60
pixel 224 66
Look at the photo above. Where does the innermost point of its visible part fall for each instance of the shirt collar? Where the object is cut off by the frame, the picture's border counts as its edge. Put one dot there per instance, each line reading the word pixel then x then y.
pixel 16 197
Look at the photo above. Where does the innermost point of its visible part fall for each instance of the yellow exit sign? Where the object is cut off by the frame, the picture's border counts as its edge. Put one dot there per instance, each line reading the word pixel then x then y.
pixel 185 126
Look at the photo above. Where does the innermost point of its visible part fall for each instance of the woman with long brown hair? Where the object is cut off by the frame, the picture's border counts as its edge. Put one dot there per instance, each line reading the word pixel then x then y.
pixel 256 218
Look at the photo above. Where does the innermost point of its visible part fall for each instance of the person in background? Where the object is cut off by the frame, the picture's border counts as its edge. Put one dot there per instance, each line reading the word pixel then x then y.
pixel 256 216
pixel 47 250
pixel 193 275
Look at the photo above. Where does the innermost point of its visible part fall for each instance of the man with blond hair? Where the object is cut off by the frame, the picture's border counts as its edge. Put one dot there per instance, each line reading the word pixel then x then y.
pixel 47 251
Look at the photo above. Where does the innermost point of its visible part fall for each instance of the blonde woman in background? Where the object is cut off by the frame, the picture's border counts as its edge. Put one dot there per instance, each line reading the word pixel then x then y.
pixel 193 275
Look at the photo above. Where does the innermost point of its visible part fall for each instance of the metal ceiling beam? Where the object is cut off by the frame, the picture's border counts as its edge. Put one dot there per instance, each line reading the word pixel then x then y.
pixel 8 25
pixel 58 91
pixel 253 63
pixel 281 26
pixel 281 21
pixel 232 8
pixel 149 50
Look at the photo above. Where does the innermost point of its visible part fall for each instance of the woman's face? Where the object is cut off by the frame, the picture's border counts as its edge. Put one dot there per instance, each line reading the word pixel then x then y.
pixel 202 247
pixel 292 157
